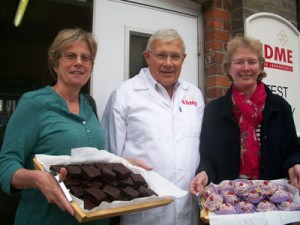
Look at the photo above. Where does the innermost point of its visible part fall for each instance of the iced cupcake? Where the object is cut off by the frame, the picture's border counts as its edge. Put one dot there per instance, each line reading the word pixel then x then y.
pixel 230 197
pixel 213 201
pixel 209 189
pixel 279 196
pixel 225 185
pixel 254 197
pixel 265 187
pixel 226 208
pixel 289 206
pixel 265 206
pixel 242 187
pixel 245 207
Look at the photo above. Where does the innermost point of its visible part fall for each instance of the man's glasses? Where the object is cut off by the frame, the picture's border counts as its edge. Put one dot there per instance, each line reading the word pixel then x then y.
pixel 175 56
pixel 72 57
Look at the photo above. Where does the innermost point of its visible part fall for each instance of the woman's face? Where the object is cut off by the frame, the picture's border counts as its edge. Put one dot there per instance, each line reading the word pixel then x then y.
pixel 244 69
pixel 74 66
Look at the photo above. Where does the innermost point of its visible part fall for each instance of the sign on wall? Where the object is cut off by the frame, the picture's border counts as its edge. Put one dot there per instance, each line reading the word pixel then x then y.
pixel 281 46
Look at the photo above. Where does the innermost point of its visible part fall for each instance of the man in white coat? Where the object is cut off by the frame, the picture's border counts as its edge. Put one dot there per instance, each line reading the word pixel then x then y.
pixel 154 120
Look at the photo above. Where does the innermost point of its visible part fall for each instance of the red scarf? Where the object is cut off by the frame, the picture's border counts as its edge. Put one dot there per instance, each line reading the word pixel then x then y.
pixel 248 113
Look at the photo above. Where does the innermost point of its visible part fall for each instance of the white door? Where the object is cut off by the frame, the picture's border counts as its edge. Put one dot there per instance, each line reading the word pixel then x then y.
pixel 122 29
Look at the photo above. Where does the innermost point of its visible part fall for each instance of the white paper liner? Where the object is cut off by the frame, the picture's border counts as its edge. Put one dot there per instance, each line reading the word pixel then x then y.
pixel 163 187
pixel 260 218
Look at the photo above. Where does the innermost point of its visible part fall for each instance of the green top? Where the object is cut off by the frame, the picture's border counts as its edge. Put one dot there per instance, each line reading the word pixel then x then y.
pixel 43 124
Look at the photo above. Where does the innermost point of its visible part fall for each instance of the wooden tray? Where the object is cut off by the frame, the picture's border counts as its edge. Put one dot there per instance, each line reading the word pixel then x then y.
pixel 83 216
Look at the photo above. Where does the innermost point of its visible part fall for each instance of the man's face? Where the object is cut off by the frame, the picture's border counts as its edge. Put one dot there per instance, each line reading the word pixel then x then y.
pixel 165 61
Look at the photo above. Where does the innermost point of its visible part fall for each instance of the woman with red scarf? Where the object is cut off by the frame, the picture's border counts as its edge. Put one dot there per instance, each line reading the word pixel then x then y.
pixel 249 132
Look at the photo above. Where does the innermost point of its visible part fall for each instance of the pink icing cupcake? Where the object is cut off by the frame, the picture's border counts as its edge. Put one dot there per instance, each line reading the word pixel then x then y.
pixel 242 187
pixel 279 196
pixel 226 208
pixel 230 197
pixel 254 197
pixel 289 206
pixel 209 189
pixel 265 206
pixel 245 207
pixel 213 202
pixel 225 185
pixel 265 187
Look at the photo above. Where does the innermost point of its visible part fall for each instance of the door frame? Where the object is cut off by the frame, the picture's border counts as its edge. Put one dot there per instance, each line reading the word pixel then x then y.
pixel 184 8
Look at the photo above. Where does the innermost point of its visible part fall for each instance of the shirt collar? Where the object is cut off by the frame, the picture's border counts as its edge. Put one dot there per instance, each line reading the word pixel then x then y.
pixel 156 84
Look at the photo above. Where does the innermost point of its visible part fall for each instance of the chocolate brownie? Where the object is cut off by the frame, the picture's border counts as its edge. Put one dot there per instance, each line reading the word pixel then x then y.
pixel 108 166
pixel 71 181
pixel 56 168
pixel 145 192
pixel 112 192
pixel 138 179
pixel 94 183
pixel 113 182
pixel 121 170
pixel 126 182
pixel 77 191
pixel 88 204
pixel 129 193
pixel 108 174
pixel 96 195
pixel 90 172
pixel 73 170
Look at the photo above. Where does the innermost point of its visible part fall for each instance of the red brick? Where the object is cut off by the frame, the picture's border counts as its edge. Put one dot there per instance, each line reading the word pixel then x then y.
pixel 214 92
pixel 218 81
pixel 214 69
pixel 220 14
pixel 218 24
pixel 214 45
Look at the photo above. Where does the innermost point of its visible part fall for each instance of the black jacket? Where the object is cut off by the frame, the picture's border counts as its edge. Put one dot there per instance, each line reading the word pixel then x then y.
pixel 219 141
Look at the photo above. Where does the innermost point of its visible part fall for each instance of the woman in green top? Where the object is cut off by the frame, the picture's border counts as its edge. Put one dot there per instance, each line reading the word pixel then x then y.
pixel 51 120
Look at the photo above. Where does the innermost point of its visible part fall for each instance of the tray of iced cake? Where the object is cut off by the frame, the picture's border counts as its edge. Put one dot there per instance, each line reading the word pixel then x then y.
pixel 243 201
pixel 103 185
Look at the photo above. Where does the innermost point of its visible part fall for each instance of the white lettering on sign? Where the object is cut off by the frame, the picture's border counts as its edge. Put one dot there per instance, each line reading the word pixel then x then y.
pixel 281 55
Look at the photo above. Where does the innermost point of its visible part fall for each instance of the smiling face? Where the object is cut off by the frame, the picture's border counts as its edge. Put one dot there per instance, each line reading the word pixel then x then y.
pixel 163 62
pixel 74 70
pixel 244 69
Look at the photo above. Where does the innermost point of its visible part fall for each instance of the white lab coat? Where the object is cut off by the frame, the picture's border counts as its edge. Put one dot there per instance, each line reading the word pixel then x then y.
pixel 141 123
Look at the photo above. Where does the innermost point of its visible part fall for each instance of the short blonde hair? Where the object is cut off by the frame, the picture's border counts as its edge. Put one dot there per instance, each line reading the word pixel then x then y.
pixel 244 42
pixel 64 39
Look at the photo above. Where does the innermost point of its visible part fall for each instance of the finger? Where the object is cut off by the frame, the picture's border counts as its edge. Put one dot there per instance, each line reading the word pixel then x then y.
pixel 192 188
pixel 145 166
pixel 294 181
pixel 64 205
pixel 60 199
pixel 63 173
pixel 70 209
pixel 195 186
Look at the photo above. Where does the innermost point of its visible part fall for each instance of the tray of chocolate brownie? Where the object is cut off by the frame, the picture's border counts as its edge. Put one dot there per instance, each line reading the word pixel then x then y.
pixel 103 185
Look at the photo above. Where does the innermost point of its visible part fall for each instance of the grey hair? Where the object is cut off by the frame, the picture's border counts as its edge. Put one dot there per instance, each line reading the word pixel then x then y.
pixel 166 35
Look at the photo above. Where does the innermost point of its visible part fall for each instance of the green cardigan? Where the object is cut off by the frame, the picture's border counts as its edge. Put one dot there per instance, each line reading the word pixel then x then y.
pixel 42 124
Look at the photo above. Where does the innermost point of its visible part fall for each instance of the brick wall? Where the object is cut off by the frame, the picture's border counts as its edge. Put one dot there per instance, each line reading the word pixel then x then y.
pixel 224 19
pixel 216 34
